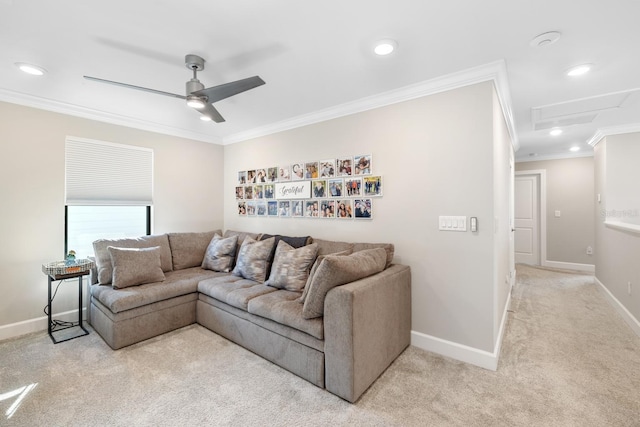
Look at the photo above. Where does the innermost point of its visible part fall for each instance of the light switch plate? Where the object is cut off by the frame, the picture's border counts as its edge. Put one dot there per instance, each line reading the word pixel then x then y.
pixel 452 223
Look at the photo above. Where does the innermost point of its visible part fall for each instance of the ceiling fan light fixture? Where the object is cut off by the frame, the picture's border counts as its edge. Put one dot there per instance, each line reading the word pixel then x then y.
pixel 195 102
pixel 574 149
pixel 34 70
pixel 385 47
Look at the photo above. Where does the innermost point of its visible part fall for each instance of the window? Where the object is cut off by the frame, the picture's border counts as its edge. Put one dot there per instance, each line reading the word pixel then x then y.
pixel 108 193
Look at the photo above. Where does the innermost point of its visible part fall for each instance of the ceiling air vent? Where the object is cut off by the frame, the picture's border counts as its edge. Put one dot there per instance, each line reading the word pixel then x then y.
pixel 579 111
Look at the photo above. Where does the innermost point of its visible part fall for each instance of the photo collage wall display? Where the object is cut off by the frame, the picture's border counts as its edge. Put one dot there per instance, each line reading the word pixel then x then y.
pixel 341 188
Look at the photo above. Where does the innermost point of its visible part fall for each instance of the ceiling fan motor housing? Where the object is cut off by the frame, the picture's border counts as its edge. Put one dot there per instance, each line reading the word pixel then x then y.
pixel 194 85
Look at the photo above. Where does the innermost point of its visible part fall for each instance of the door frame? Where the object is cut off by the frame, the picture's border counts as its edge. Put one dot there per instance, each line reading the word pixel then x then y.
pixel 542 210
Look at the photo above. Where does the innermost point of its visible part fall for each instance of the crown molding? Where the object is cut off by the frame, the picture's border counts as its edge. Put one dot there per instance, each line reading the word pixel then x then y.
pixel 613 130
pixel 101 116
pixel 494 71
pixel 557 156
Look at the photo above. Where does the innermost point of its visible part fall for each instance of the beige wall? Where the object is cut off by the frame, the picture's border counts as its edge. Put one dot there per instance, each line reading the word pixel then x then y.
pixel 436 156
pixel 617 251
pixel 187 197
pixel 570 191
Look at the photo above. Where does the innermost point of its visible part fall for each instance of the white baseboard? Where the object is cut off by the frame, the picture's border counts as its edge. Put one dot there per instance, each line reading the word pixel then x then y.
pixel 35 325
pixel 461 352
pixel 573 266
pixel 626 315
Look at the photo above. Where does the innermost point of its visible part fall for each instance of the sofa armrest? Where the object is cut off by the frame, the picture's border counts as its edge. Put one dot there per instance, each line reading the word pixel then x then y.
pixel 367 324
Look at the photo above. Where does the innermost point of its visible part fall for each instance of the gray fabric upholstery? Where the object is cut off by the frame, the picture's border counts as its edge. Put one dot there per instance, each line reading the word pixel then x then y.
pixel 253 259
pixel 279 328
pixel 361 340
pixel 163 317
pixel 103 259
pixel 300 359
pixel 283 307
pixel 233 290
pixel 290 268
pixel 133 267
pixel 220 254
pixel 337 270
pixel 312 273
pixel 187 249
pixel 178 282
pixel 241 236
pixel 329 247
pixel 389 247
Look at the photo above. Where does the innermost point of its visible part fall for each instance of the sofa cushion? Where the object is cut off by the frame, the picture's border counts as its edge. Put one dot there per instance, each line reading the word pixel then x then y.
pixel 187 249
pixel 253 259
pixel 329 247
pixel 241 236
pixel 312 273
pixel 290 268
pixel 295 242
pixel 386 246
pixel 177 283
pixel 103 259
pixel 338 270
pixel 220 253
pixel 233 290
pixel 283 307
pixel 135 266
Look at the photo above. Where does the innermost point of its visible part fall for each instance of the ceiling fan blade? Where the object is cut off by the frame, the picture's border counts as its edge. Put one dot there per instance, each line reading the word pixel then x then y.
pixel 218 93
pixel 159 92
pixel 211 111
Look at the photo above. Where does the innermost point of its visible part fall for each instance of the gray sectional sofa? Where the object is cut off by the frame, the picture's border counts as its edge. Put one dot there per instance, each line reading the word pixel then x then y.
pixel 340 338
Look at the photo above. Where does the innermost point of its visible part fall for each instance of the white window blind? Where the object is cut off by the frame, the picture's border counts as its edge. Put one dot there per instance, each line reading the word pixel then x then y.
pixel 104 173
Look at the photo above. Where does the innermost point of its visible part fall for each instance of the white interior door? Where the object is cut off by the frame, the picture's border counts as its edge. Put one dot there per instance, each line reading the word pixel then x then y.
pixel 526 219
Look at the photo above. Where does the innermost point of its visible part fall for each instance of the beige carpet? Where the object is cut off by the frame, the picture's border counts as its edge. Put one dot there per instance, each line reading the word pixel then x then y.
pixel 567 360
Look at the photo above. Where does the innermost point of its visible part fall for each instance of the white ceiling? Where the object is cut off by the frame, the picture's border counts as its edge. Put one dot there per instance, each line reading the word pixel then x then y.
pixel 317 55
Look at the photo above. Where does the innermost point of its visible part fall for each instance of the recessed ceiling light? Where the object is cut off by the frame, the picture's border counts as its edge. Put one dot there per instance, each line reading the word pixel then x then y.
pixel 385 47
pixel 205 118
pixel 555 132
pixel 574 149
pixel 545 39
pixel 34 70
pixel 578 70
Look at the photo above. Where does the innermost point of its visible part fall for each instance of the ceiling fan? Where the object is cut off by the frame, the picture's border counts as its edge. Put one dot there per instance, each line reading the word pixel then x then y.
pixel 196 95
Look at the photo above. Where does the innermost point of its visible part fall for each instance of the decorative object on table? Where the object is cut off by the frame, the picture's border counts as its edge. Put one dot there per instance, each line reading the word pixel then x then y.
pixel 61 268
pixel 70 259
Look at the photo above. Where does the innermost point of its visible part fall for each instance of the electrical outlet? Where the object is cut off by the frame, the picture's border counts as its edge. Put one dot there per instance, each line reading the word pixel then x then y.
pixel 589 250
pixel 629 287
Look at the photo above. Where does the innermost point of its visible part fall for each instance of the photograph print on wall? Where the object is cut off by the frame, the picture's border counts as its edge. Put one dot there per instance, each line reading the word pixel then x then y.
pixel 362 164
pixel 284 173
pixel 327 169
pixel 248 192
pixel 297 208
pixel 242 177
pixel 261 208
pixel 335 187
pixel 240 192
pixel 242 208
pixel 353 187
pixel 319 188
pixel 344 209
pixel 297 171
pixel 344 166
pixel 327 209
pixel 272 208
pixel 311 170
pixel 284 208
pixel 363 209
pixel 272 174
pixel 269 191
pixel 251 208
pixel 373 186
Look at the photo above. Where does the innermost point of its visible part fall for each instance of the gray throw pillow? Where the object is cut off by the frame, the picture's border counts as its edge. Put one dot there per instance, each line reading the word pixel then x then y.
pixel 220 254
pixel 135 266
pixel 290 268
pixel 253 259
pixel 313 272
pixel 339 270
